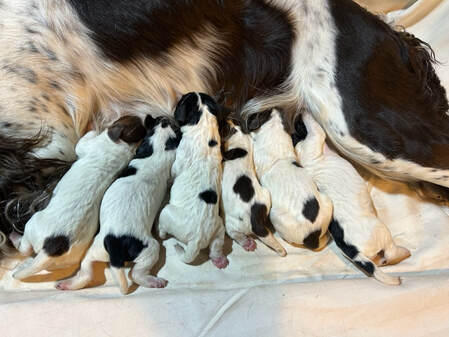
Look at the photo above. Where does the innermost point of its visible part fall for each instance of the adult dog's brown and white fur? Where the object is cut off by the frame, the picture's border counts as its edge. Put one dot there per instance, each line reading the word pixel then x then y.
pixel 65 63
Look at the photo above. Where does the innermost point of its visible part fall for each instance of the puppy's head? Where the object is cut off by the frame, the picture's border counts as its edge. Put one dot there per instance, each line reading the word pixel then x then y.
pixel 128 129
pixel 164 133
pixel 192 106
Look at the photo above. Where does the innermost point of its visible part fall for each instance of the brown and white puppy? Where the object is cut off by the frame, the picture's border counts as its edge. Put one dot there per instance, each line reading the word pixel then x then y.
pixel 299 212
pixel 355 228
pixel 246 204
pixel 61 233
pixel 128 210
pixel 192 215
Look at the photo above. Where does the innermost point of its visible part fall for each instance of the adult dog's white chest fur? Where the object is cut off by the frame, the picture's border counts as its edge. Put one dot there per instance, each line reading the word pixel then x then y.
pixel 299 212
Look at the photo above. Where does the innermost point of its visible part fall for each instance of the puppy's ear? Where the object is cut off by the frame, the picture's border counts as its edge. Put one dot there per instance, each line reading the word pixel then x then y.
pixel 212 106
pixel 128 128
pixel 256 120
pixel 187 110
pixel 150 122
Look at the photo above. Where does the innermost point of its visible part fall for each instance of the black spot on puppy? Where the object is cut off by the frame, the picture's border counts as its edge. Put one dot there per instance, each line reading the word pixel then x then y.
pixel 209 197
pixel 150 122
pixel 311 209
pixel 256 120
pixel 212 106
pixel 172 143
pixel 144 150
pixel 212 143
pixel 260 221
pixel 56 245
pixel 129 171
pixel 312 241
pixel 367 267
pixel 122 249
pixel 235 153
pixel 338 235
pixel 187 111
pixel 296 164
pixel 300 131
pixel 244 188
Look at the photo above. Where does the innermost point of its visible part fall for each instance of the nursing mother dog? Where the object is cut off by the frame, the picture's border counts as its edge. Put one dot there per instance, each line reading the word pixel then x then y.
pixel 67 64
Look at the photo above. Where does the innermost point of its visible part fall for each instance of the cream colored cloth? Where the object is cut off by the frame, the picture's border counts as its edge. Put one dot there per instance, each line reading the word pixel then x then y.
pixel 261 294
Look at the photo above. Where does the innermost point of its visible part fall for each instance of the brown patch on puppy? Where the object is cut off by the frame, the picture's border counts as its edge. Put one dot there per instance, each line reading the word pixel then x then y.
pixel 128 128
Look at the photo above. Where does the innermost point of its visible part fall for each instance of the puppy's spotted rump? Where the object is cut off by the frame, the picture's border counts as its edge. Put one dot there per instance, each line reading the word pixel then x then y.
pixel 246 203
pixel 357 231
pixel 192 215
pixel 64 229
pixel 299 212
pixel 127 213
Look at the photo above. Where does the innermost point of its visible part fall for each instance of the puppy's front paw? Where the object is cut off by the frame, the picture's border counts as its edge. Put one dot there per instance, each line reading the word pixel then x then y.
pixel 220 262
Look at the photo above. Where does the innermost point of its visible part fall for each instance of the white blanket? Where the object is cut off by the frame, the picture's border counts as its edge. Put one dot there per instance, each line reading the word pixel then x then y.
pixel 261 294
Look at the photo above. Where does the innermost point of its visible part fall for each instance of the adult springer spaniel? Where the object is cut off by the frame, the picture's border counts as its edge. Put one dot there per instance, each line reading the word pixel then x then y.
pixel 69 64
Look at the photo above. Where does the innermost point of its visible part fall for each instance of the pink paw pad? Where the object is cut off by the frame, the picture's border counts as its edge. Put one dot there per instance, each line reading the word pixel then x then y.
pixel 158 283
pixel 64 285
pixel 249 245
pixel 220 262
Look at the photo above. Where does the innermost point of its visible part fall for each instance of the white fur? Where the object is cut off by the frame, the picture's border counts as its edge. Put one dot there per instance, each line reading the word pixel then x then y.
pixel 73 209
pixel 129 207
pixel 353 208
pixel 290 186
pixel 236 211
pixel 197 168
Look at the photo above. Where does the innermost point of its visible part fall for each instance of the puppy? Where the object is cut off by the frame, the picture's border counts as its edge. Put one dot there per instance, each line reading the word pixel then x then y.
pixel 128 210
pixel 192 215
pixel 60 233
pixel 357 231
pixel 245 202
pixel 299 213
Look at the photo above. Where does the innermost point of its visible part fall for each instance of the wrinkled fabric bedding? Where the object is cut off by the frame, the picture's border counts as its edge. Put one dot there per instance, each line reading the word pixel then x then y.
pixel 261 294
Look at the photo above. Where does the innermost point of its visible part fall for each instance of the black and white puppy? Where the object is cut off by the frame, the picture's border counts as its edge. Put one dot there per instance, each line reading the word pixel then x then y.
pixel 357 231
pixel 299 212
pixel 61 233
pixel 192 215
pixel 128 210
pixel 246 204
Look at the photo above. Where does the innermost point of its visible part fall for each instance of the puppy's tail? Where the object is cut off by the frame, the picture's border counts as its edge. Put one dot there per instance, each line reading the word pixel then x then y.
pixel 368 267
pixel 361 261
pixel 39 263
pixel 190 253
pixel 273 243
pixel 121 279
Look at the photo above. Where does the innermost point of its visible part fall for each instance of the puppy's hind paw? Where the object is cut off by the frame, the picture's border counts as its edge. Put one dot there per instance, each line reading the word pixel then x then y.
pixel 220 262
pixel 249 245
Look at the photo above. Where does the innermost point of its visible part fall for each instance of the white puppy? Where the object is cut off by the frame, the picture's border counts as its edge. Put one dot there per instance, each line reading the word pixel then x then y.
pixel 357 231
pixel 192 216
pixel 299 213
pixel 61 233
pixel 128 210
pixel 246 204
